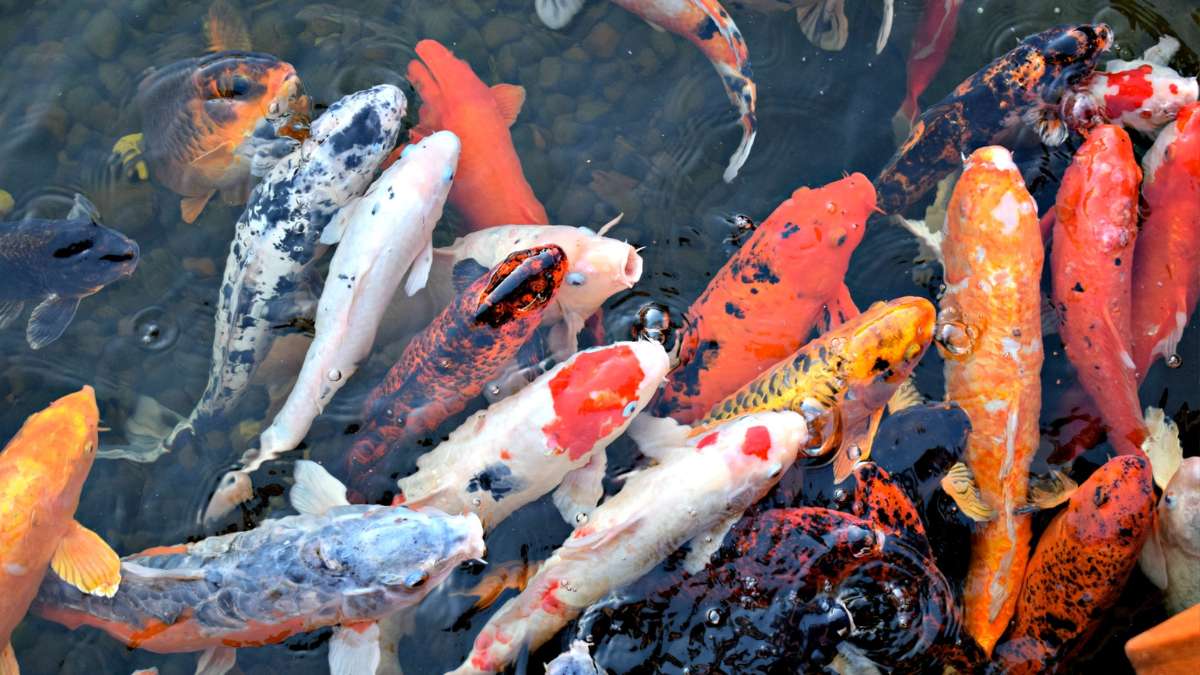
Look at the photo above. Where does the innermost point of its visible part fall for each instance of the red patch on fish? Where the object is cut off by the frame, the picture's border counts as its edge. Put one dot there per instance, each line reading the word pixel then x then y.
pixel 757 443
pixel 1132 91
pixel 708 440
pixel 590 397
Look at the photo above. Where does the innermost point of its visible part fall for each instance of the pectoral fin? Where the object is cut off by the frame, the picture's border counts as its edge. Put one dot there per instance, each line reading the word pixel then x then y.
pixel 315 490
pixel 580 490
pixel 1153 562
pixel 959 483
pixel 216 661
pixel 704 545
pixel 192 206
pixel 856 447
pixel 418 275
pixel 823 22
pixel 509 98
pixel 9 310
pixel 1047 492
pixel 656 437
pixel 8 661
pixel 354 649
pixel 84 209
pixel 83 560
pixel 336 229
pixel 49 320
pixel 466 271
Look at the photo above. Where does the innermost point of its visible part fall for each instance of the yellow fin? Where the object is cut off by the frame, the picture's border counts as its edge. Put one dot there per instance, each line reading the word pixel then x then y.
pixel 192 206
pixel 855 448
pixel 1162 446
pixel 225 28
pixel 959 483
pixel 83 560
pixel 8 661
pixel 514 575
pixel 509 98
pixel 1047 492
pixel 906 396
pixel 216 159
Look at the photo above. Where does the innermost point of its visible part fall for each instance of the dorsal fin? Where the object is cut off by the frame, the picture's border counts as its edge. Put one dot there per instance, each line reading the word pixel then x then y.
pixel 84 209
pixel 466 271
pixel 509 99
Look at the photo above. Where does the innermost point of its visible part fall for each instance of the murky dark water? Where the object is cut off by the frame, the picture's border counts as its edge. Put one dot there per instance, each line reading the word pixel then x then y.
pixel 625 103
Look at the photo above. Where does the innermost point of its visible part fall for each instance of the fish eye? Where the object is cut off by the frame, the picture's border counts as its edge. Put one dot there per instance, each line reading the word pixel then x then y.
pixel 416 579
pixel 1169 499
pixel 232 86
pixel 87 448
pixel 576 279
pixel 629 408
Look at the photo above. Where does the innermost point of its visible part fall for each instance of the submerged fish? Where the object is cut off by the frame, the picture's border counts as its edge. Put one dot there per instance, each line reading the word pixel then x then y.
pixel 490 188
pixel 697 491
pixel 449 362
pixel 333 565
pixel 1022 87
pixel 841 381
pixel 990 331
pixel 381 236
pixel 60 262
pixel 42 470
pixel 786 279
pixel 205 118
pixel 552 434
pixel 575 661
pixel 822 21
pixel 1171 556
pixel 705 24
pixel 931 43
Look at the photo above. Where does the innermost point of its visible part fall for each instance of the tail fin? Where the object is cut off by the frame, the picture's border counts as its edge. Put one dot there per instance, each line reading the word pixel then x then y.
pixel 233 489
pixel 151 431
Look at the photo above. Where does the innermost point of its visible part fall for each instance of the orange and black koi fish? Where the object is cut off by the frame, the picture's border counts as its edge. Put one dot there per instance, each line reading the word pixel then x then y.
pixel 449 362
pixel 1022 87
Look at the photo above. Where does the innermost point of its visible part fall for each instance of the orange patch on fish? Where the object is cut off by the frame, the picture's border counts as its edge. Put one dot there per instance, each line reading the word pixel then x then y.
pixel 591 397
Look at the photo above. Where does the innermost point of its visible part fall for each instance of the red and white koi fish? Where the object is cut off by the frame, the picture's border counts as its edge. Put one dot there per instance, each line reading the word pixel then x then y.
pixel 705 24
pixel 698 489
pixel 552 434
pixel 935 31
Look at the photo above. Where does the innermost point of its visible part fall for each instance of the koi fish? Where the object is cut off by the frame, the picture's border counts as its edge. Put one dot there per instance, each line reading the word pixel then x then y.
pixel 205 118
pixel 1143 94
pixel 382 235
pixel 705 24
pixel 823 22
pixel 42 470
pixel 728 469
pixel 1172 646
pixel 61 262
pixel 552 434
pixel 333 565
pixel 1171 556
pixel 841 381
pixel 1079 567
pixel 990 330
pixel 577 660
pixel 448 363
pixel 268 275
pixel 1021 88
pixel 935 31
pixel 490 188
pixel 1090 261
pixel 760 307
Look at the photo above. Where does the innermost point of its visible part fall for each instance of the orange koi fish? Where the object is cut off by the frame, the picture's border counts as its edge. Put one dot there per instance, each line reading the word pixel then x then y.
pixel 935 31
pixel 42 470
pixel 991 335
pixel 1091 263
pixel 762 305
pixel 1080 566
pixel 489 187
pixel 704 23
pixel 205 119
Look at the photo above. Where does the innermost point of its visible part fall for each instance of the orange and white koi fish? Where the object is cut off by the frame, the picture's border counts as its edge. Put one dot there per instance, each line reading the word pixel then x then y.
pixel 990 332
pixel 42 470
pixel 490 188
pixel 698 489
pixel 1171 556
pixel 704 23
pixel 935 31
pixel 552 434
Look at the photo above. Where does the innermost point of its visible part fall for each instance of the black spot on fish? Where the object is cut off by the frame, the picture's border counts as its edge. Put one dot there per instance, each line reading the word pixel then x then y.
pixel 74 249
pixel 494 479
pixel 880 365
pixel 789 229
pixel 363 130
pixel 242 357
pixel 734 311
pixel 1118 262
pixel 1078 287
pixel 708 29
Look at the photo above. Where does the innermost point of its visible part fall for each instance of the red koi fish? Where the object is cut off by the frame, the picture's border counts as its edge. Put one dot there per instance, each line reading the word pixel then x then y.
pixel 762 305
pixel 935 31
pixel 1080 566
pixel 1091 263
pixel 449 362
pixel 489 187
pixel 704 23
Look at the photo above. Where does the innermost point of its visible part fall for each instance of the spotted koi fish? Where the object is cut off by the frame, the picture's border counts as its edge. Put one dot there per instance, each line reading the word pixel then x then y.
pixel 785 280
pixel 448 363
pixel 990 331
pixel 551 434
pixel 704 23
pixel 841 381
pixel 1079 568
pixel 205 118
pixel 333 565
pixel 1021 88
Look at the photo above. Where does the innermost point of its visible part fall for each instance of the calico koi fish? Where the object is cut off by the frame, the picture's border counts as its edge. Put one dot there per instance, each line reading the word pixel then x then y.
pixel 333 565
pixel 1021 88
pixel 705 24
pixel 935 31
pixel 61 262
pixel 42 470
pixel 1090 261
pixel 786 279
pixel 1171 556
pixel 841 381
pixel 449 362
pixel 205 118
pixel 381 236
pixel 490 188
pixel 1079 567
pixel 990 331
pixel 552 434
pixel 728 469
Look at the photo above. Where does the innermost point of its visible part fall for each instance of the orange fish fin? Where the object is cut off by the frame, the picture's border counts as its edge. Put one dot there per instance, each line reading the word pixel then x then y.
pixel 509 99
pixel 225 28
pixel 855 448
pixel 839 309
pixel 216 159
pixel 192 206
pixel 8 661
pixel 83 560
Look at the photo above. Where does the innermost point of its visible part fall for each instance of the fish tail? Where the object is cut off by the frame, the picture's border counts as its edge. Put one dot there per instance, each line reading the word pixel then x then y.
pixel 435 66
pixel 233 489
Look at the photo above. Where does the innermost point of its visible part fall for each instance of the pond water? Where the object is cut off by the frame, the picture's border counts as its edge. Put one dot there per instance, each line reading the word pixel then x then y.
pixel 619 118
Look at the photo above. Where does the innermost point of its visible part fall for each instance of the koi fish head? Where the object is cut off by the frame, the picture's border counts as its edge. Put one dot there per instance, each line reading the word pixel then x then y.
pixel 522 284
pixel 1116 499
pixel 363 122
pixel 58 444
pixel 1178 142
pixel 757 449
pixel 884 344
pixel 598 268
pixel 832 217
pixel 1104 180
pixel 81 257
pixel 1179 508
pixel 1061 57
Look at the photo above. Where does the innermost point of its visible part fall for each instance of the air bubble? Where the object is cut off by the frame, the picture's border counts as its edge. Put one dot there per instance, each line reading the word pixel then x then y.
pixel 840 495
pixel 1173 361
pixel 494 390
pixel 445 364
pixel 476 501
pixel 297 249
pixel 581 517
pixel 334 375
pixel 715 617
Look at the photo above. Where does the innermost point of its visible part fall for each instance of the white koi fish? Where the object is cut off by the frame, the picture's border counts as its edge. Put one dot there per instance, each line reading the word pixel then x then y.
pixel 697 491
pixel 552 434
pixel 575 661
pixel 383 234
